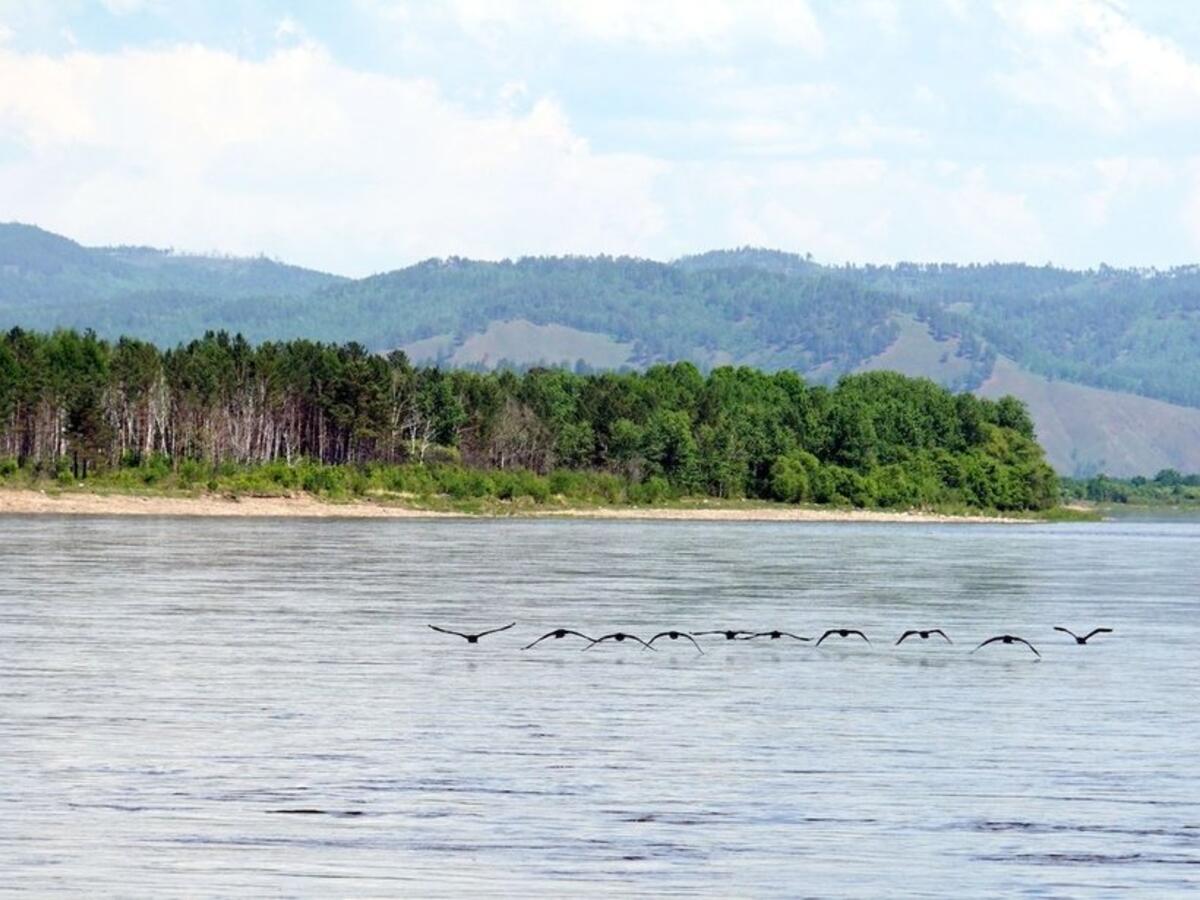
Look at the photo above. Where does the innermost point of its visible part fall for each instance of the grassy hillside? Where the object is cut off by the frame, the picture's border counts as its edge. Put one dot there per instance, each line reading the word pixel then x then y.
pixel 1086 430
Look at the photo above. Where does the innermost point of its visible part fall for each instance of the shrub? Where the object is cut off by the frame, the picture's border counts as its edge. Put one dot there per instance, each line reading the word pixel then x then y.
pixel 155 469
pixel 653 490
pixel 789 480
pixel 191 471
pixel 462 484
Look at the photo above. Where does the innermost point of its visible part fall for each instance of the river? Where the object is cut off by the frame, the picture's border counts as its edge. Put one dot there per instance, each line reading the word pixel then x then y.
pixel 194 707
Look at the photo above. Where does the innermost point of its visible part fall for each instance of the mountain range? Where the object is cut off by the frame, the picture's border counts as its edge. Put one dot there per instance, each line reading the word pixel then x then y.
pixel 1108 360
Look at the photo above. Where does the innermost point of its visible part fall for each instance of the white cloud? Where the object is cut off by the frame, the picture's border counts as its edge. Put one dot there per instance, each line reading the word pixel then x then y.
pixel 299 157
pixel 304 158
pixel 5 33
pixel 1086 59
pixel 860 209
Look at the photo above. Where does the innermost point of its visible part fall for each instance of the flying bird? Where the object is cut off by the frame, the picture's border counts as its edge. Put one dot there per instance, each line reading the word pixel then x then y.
pixel 618 636
pixel 1009 639
pixel 675 636
pixel 776 635
pixel 730 635
pixel 473 638
pixel 1086 637
pixel 924 635
pixel 559 633
pixel 843 632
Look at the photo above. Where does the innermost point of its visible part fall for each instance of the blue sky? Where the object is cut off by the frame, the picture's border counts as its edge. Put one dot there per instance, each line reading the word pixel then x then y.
pixel 363 136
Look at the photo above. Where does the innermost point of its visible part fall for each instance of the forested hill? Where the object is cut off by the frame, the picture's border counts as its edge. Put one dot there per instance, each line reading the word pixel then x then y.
pixel 1038 332
pixel 48 278
pixel 1132 330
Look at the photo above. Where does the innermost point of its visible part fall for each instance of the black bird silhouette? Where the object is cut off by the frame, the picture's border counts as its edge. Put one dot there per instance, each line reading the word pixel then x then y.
pixel 776 635
pixel 924 635
pixel 558 633
pixel 473 638
pixel 1086 637
pixel 1009 639
pixel 843 632
pixel 675 636
pixel 730 635
pixel 618 636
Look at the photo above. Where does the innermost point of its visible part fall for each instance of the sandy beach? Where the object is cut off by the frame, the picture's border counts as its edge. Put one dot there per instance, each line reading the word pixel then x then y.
pixel 31 502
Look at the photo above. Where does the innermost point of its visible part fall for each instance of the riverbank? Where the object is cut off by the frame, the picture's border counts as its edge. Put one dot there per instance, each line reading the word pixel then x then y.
pixel 19 501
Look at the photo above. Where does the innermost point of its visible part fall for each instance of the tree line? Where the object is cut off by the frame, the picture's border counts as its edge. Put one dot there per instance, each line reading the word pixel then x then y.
pixel 1169 487
pixel 71 402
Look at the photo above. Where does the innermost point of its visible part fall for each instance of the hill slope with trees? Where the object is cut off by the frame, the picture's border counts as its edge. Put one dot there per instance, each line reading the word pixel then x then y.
pixel 1136 332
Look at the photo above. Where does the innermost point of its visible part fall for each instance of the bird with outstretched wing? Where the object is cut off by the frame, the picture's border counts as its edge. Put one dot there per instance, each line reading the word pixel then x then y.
pixel 619 637
pixel 559 634
pixel 1087 637
pixel 842 632
pixel 923 635
pixel 473 638
pixel 1009 639
pixel 675 636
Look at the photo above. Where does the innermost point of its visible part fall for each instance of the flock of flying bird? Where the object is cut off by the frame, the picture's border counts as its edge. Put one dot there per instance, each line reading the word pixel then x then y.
pixel 742 635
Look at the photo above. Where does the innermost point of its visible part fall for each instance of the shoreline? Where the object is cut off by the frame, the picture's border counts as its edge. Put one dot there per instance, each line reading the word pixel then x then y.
pixel 24 501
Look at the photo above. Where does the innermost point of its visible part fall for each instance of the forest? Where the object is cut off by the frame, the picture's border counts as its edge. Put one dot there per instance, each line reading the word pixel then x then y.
pixel 74 405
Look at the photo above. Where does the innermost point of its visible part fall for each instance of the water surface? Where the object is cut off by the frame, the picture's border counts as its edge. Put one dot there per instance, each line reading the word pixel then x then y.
pixel 197 706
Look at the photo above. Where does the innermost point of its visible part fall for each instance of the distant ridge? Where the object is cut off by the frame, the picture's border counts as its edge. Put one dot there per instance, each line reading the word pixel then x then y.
pixel 1131 331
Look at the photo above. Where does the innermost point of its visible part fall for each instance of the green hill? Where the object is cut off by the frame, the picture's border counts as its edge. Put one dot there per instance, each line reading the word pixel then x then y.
pixel 1132 334
pixel 48 281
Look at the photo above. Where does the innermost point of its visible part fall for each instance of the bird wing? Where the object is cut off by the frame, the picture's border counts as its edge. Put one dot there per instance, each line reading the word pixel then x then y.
pixel 990 640
pixel 702 633
pixel 692 639
pixel 794 637
pixel 942 633
pixel 600 640
pixel 579 634
pixel 906 634
pixel 494 630
pixel 860 634
pixel 825 635
pixel 1095 631
pixel 678 635
pixel 448 631
pixel 634 637
pixel 542 638
pixel 1029 645
pixel 1067 631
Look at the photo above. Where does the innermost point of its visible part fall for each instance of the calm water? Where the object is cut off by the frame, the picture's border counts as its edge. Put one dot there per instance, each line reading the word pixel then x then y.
pixel 169 688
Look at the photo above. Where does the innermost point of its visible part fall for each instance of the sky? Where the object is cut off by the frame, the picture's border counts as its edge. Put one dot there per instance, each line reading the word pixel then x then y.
pixel 363 136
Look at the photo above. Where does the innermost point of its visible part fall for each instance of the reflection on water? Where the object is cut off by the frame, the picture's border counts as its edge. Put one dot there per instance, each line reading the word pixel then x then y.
pixel 211 707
